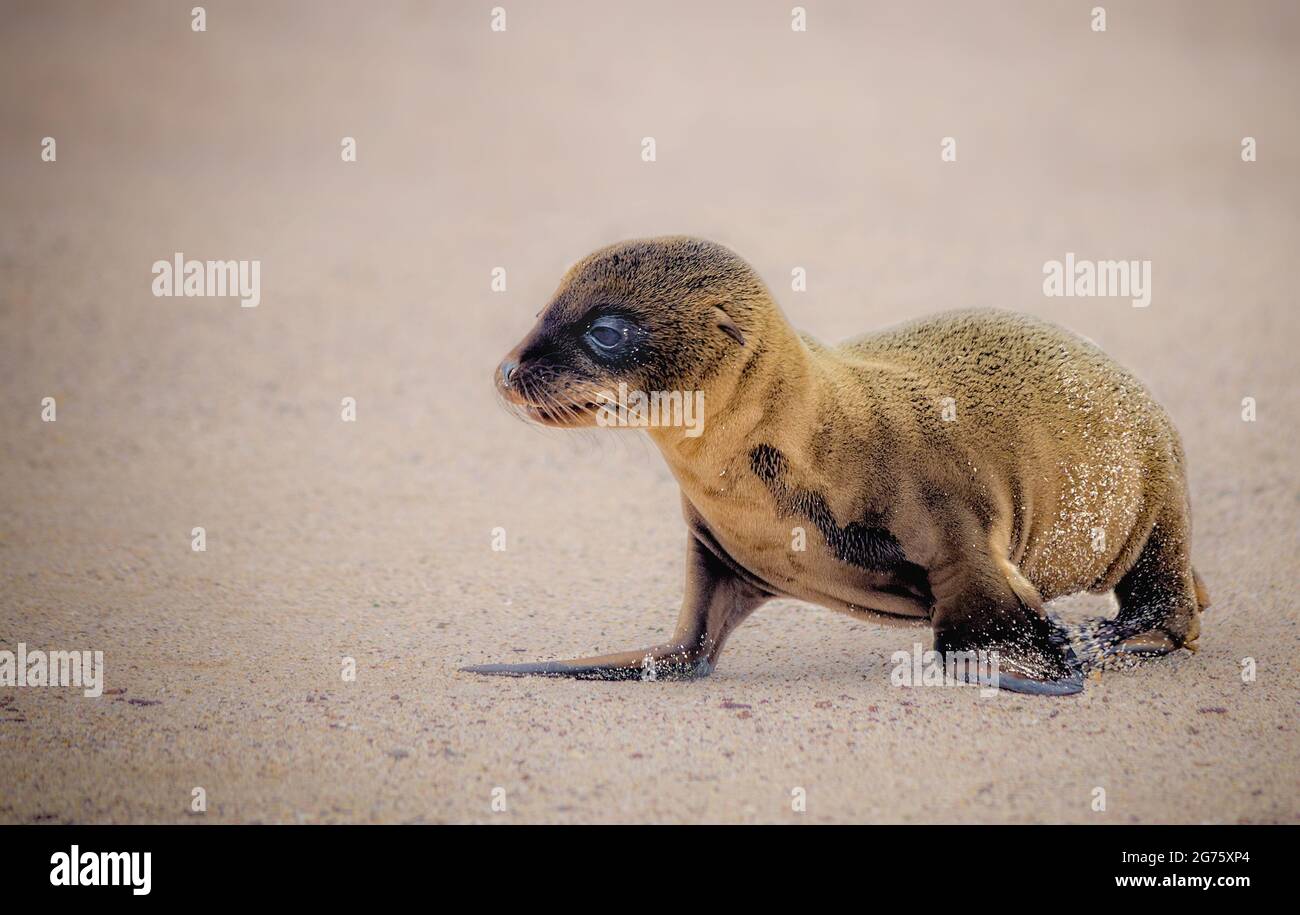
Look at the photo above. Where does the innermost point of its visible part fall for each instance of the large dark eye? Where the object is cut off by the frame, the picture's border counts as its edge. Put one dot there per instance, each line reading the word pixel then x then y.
pixel 608 334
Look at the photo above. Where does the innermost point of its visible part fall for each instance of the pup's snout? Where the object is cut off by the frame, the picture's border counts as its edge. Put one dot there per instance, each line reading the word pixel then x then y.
pixel 509 378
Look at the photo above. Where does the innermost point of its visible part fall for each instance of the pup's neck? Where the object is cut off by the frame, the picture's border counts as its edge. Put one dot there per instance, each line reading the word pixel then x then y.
pixel 772 375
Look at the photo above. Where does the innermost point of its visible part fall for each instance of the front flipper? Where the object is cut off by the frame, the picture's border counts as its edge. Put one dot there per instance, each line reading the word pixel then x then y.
pixel 976 610
pixel 1030 656
pixel 664 662
pixel 715 603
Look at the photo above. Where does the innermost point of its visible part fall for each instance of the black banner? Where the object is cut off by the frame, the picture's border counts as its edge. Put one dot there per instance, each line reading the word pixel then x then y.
pixel 331 864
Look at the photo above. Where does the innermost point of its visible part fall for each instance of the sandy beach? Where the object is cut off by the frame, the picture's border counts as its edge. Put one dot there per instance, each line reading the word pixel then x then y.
pixel 372 540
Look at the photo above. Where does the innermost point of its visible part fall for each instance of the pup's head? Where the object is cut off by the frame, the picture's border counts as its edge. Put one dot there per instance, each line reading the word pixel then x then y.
pixel 660 314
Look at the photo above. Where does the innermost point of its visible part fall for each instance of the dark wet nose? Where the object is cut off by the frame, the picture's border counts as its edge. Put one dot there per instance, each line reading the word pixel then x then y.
pixel 508 370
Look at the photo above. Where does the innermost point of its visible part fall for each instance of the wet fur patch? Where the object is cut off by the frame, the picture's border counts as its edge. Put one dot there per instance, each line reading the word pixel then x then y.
pixel 866 543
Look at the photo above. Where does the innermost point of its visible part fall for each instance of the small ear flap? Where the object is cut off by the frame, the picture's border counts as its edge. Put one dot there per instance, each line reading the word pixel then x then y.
pixel 728 326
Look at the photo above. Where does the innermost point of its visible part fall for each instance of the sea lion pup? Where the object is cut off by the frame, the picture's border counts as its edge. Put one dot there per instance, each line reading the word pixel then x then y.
pixel 958 470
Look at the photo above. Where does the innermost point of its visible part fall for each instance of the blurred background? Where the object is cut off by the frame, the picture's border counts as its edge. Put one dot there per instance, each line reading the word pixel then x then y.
pixel 521 149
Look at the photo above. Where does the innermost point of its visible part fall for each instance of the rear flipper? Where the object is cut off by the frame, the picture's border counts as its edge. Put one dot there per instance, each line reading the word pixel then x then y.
pixel 1160 600
pixel 1099 640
